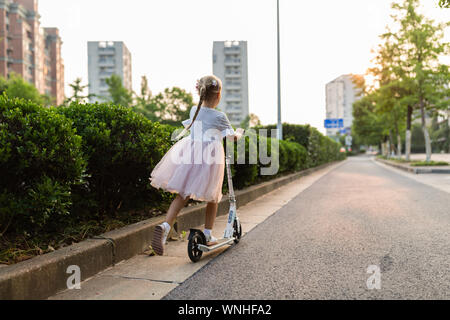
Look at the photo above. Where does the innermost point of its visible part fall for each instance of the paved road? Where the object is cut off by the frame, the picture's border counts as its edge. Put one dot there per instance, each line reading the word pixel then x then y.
pixel 320 244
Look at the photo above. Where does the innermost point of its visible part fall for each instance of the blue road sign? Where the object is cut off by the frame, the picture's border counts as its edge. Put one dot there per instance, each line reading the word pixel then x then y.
pixel 334 123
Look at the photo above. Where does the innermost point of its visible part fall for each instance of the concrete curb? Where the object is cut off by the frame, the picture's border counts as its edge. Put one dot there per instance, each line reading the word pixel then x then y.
pixel 44 276
pixel 415 170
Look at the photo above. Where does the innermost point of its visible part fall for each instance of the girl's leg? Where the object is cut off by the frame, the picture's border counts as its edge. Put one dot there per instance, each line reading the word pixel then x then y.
pixel 211 212
pixel 177 204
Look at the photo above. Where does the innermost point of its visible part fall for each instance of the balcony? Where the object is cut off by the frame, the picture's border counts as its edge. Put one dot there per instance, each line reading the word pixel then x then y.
pixel 107 51
pixel 233 75
pixel 232 62
pixel 233 98
pixel 105 74
pixel 233 85
pixel 106 62
pixel 233 49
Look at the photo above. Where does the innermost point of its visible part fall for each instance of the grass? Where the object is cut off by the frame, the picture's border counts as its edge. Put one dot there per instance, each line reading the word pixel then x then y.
pixel 416 163
pixel 428 164
pixel 393 159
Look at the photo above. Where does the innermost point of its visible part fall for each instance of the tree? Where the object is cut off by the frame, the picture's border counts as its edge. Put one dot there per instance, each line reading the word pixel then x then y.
pixel 77 95
pixel 17 87
pixel 119 95
pixel 146 94
pixel 168 107
pixel 367 126
pixel 419 40
pixel 444 3
pixel 252 120
pixel 385 101
pixel 144 104
pixel 409 76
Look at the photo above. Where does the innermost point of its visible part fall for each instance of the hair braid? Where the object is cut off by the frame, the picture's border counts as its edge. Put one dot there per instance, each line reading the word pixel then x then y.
pixel 207 87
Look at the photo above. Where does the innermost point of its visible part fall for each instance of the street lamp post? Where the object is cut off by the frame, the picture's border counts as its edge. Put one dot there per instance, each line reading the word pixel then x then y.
pixel 280 125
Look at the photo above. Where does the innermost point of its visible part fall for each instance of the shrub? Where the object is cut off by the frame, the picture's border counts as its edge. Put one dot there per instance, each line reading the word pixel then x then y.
pixel 323 149
pixel 291 156
pixel 40 161
pixel 243 174
pixel 122 148
pixel 292 132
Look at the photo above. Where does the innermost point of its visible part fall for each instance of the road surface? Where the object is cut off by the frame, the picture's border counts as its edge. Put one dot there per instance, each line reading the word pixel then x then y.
pixel 321 244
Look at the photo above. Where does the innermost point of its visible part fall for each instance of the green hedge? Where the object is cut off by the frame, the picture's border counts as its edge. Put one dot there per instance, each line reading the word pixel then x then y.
pixel 321 149
pixel 121 148
pixel 40 161
pixel 315 149
pixel 292 132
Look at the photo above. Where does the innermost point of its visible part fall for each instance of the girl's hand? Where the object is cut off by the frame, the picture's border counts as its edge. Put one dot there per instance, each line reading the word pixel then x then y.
pixel 239 133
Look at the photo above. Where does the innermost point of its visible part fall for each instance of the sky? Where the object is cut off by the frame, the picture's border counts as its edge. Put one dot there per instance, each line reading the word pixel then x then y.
pixel 171 43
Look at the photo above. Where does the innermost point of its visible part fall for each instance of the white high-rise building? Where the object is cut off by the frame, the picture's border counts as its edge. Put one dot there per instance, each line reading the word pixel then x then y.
pixel 106 58
pixel 230 64
pixel 341 94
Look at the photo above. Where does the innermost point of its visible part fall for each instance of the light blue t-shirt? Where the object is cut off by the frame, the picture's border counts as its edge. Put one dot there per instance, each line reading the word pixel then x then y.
pixel 210 124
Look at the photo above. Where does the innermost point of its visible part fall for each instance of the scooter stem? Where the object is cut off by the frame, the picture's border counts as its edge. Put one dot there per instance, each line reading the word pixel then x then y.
pixel 230 179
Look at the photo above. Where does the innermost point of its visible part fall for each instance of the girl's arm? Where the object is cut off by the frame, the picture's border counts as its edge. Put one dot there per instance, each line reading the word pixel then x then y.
pixel 238 134
pixel 227 129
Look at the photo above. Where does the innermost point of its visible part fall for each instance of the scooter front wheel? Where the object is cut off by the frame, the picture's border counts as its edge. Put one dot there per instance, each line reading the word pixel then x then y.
pixel 237 231
pixel 195 254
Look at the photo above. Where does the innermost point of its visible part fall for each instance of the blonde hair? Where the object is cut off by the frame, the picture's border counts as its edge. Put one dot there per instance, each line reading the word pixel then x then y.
pixel 207 87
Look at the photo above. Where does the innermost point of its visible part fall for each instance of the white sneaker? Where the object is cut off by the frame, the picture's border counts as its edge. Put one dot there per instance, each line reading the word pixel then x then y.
pixel 159 239
pixel 210 240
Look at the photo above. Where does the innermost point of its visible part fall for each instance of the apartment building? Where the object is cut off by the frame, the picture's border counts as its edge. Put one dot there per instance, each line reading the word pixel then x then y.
pixel 29 50
pixel 230 64
pixel 106 58
pixel 341 93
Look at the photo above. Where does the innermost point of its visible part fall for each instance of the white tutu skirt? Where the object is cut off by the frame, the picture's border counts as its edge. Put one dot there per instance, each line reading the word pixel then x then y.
pixel 193 169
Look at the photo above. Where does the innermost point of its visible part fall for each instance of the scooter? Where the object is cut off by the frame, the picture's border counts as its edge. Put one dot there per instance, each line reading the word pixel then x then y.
pixel 233 231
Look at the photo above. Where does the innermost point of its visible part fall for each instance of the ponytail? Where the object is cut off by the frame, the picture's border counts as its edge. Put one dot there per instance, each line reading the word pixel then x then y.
pixel 202 98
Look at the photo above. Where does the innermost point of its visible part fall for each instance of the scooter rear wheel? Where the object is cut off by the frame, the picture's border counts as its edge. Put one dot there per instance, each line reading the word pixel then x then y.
pixel 237 234
pixel 195 254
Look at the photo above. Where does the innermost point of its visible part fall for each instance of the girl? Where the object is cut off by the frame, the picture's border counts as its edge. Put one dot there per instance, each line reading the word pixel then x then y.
pixel 194 167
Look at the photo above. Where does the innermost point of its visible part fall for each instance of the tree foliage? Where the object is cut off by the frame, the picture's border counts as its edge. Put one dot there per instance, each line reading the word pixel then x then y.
pixel 408 77
pixel 78 90
pixel 444 3
pixel 118 93
pixel 17 87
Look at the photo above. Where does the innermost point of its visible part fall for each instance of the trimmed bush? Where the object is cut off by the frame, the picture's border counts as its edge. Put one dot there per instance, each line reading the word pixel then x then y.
pixel 321 149
pixel 291 156
pixel 122 148
pixel 40 161
pixel 244 175
pixel 291 132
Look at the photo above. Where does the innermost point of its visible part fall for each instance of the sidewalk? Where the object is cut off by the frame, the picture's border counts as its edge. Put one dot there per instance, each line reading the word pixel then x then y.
pixel 438 181
pixel 435 157
pixel 151 278
pixel 416 169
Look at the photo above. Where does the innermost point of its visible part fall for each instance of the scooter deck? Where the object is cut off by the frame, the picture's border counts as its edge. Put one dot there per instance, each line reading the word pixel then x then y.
pixel 225 242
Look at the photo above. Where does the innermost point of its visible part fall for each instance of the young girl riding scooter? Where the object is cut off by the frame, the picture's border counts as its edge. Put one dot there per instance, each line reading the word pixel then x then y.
pixel 194 167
